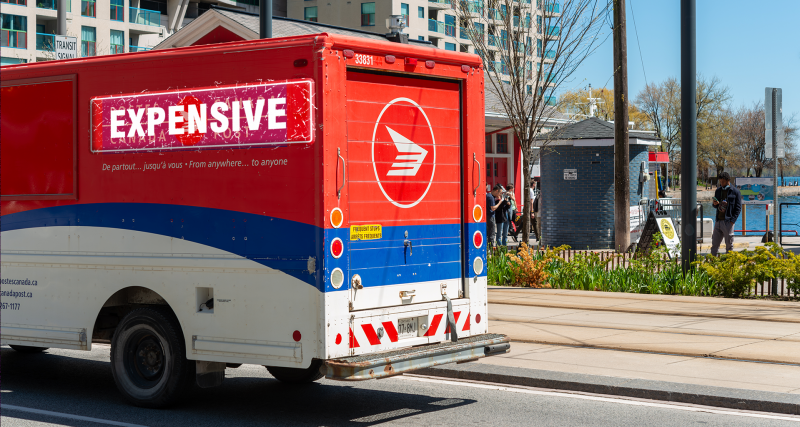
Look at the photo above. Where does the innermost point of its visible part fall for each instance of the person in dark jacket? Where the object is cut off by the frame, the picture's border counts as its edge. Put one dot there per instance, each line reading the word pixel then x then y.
pixel 728 203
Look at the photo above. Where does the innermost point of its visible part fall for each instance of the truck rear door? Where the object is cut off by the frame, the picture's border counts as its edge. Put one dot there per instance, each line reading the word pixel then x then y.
pixel 404 168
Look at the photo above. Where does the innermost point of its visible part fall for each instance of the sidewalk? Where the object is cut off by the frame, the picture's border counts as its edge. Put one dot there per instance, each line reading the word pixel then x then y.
pixel 687 349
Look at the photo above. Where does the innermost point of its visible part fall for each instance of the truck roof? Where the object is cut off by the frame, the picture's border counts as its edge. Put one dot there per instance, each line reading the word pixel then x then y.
pixel 335 41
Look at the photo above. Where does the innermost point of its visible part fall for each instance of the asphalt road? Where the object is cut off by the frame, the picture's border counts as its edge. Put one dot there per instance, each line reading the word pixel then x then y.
pixel 79 384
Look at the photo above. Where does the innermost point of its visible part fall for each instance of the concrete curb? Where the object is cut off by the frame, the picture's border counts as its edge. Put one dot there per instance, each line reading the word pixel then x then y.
pixel 750 400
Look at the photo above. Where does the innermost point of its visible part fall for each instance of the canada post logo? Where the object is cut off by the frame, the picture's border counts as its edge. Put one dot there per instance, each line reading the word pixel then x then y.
pixel 403 152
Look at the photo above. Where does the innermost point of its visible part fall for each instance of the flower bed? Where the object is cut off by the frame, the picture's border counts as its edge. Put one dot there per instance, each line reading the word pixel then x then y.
pixel 738 274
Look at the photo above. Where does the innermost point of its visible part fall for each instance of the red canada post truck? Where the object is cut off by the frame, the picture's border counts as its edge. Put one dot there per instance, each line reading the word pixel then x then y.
pixel 312 204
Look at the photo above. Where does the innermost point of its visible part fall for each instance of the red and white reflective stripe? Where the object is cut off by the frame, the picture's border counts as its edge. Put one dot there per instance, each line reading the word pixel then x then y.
pixel 367 333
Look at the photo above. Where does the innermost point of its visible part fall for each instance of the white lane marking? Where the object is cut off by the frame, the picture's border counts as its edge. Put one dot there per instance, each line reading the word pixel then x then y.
pixel 601 399
pixel 70 416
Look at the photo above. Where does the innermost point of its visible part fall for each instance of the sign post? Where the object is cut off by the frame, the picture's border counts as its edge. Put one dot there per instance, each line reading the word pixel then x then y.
pixel 66 47
pixel 774 149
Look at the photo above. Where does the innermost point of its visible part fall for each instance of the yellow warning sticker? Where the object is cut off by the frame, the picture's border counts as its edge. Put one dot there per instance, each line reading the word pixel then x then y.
pixel 667 229
pixel 366 232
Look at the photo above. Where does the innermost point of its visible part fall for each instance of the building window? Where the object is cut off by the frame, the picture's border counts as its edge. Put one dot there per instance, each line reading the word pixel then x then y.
pixel 422 38
pixel 310 14
pixel 12 61
pixel 88 41
pixel 368 14
pixel 530 90
pixel 14 31
pixel 19 2
pixel 450 25
pixel 420 12
pixel 502 143
pixel 450 46
pixel 539 24
pixel 489 144
pixel 117 41
pixel 404 10
pixel 88 8
pixel 117 10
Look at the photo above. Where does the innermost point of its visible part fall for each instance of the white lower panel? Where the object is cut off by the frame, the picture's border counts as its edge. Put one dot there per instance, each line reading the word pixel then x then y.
pixel 32 335
pixel 290 351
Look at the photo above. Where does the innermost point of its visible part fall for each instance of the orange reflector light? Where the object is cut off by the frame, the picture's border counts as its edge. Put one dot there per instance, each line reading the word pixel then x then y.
pixel 477 239
pixel 389 59
pixel 411 61
pixel 337 247
pixel 348 53
pixel 430 64
pixel 477 213
pixel 337 217
pixel 465 68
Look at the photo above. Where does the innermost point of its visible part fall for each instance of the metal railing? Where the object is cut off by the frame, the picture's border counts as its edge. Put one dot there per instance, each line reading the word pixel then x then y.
pixel 46 4
pixel 145 16
pixel 138 48
pixel 553 31
pixel 672 207
pixel 435 26
pixel 450 30
pixel 45 42
pixel 784 242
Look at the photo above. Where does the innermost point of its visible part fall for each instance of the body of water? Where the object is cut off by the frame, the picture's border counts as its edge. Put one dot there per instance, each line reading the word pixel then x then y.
pixel 756 215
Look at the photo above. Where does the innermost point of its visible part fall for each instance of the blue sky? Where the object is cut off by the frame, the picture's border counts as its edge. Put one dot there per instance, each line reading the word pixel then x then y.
pixel 749 45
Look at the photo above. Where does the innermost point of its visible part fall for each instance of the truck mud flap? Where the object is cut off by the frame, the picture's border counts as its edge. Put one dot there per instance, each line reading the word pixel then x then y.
pixel 389 363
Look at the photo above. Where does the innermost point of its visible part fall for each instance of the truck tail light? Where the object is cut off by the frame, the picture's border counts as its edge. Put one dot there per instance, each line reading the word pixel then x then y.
pixel 337 278
pixel 389 59
pixel 348 53
pixel 465 68
pixel 337 247
pixel 430 64
pixel 337 217
pixel 477 265
pixel 477 213
pixel 477 239
pixel 411 61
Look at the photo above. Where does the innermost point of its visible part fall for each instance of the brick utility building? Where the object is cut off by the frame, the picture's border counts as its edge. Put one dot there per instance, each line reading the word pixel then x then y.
pixel 577 176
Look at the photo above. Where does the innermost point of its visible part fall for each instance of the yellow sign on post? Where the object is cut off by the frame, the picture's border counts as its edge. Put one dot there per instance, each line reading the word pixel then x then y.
pixel 366 232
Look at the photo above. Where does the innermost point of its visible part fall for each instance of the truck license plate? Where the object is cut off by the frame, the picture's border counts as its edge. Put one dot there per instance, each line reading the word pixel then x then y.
pixel 407 328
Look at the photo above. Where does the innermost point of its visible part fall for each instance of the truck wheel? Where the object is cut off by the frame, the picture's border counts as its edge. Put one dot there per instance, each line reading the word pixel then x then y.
pixel 27 349
pixel 148 358
pixel 297 375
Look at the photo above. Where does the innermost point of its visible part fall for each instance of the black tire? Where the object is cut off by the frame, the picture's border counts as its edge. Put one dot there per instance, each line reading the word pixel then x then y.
pixel 27 349
pixel 148 358
pixel 297 375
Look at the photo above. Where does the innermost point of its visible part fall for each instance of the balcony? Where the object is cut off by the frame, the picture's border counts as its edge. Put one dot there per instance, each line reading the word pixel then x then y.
pixel 132 48
pixel 435 26
pixel 473 7
pixel 450 30
pixel 439 4
pixel 553 31
pixel 552 8
pixel 463 33
pixel 145 17
pixel 493 40
pixel 45 42
pixel 494 14
pixel 549 54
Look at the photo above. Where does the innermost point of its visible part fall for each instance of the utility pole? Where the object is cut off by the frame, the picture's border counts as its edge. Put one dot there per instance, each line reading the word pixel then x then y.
pixel 265 19
pixel 61 17
pixel 622 213
pixel 688 135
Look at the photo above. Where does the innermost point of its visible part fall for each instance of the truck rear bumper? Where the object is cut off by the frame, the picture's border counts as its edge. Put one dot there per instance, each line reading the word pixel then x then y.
pixel 389 363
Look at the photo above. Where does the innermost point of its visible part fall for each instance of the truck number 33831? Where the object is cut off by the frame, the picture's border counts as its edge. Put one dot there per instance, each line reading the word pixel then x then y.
pixel 364 59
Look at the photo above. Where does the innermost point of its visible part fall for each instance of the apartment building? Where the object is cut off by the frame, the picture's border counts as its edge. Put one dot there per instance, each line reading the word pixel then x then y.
pixel 101 27
pixel 437 21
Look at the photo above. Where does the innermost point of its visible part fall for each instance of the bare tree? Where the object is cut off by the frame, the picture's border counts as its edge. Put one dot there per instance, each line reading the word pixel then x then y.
pixel 529 50
pixel 750 140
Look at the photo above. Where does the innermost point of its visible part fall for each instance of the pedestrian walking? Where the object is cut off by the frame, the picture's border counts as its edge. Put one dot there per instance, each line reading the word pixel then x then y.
pixel 501 217
pixel 492 204
pixel 728 202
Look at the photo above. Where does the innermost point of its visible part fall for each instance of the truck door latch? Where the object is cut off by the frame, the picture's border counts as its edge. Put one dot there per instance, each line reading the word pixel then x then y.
pixel 451 322
pixel 407 243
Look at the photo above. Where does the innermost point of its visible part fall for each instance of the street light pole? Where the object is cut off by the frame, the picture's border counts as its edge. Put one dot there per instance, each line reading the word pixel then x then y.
pixel 265 19
pixel 688 134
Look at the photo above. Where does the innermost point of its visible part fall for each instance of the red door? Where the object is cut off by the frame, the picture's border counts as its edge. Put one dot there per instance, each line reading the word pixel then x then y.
pixel 497 172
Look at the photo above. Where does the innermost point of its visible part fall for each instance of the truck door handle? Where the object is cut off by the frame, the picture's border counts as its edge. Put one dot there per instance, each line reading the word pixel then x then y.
pixel 475 160
pixel 407 243
pixel 344 173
